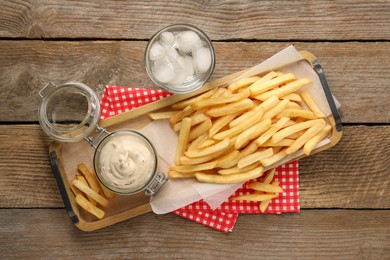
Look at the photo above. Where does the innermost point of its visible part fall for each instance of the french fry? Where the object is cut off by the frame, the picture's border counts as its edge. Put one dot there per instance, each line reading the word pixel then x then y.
pixel 89 207
pixel 309 146
pixel 220 123
pixel 83 180
pixel 190 101
pixel 261 87
pixel 180 175
pixel 220 100
pixel 230 108
pixel 274 158
pixel 90 192
pixel 186 112
pixel 270 176
pixel 194 168
pixel 293 105
pixel 293 113
pixel 311 104
pixel 206 143
pixel 89 176
pixel 235 169
pixel 255 157
pixel 239 128
pixel 252 133
pixel 107 193
pixel 256 197
pixel 311 132
pixel 233 178
pixel 283 142
pixel 274 128
pixel 293 97
pixel 245 116
pixel 260 186
pixel 209 150
pixel 194 144
pixel 227 158
pixel 284 90
pixel 184 160
pixel 276 110
pixel 283 133
pixel 200 129
pixel 243 83
pixel 184 135
pixel 195 119
pixel 162 115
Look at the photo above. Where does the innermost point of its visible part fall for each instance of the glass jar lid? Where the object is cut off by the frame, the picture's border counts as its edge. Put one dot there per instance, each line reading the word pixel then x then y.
pixel 125 162
pixel 68 112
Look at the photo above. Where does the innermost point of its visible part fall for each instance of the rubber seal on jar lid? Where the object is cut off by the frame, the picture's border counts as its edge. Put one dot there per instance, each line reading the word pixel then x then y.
pixel 68 112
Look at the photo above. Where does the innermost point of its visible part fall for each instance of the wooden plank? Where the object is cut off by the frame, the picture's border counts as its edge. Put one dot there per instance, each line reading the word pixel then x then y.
pixel 357 72
pixel 263 20
pixel 353 174
pixel 312 234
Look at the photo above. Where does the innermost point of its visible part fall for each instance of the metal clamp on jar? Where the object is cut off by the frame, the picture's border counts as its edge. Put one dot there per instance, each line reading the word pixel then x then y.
pixel 125 161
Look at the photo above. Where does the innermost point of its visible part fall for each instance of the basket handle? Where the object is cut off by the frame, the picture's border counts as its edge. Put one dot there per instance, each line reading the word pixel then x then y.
pixel 61 187
pixel 320 72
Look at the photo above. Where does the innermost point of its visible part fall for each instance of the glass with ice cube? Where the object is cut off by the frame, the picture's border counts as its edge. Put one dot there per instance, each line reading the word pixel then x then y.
pixel 180 58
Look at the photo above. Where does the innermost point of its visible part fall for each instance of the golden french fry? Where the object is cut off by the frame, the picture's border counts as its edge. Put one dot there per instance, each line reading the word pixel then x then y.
pixel 230 108
pixel 186 112
pixel 284 90
pixel 270 132
pixel 83 180
pixel 200 129
pixel 194 168
pixel 194 144
pixel 195 119
pixel 184 135
pixel 283 142
pixel 240 128
pixel 221 123
pixel 107 193
pixel 90 192
pixel 252 133
pixel 311 104
pixel 184 160
pixel 261 87
pixel 256 197
pixel 309 146
pixel 260 186
pixel 292 104
pixel 206 143
pixel 276 110
pixel 235 169
pixel 255 157
pixel 227 158
pixel 283 133
pixel 245 116
pixel 177 175
pixel 220 100
pixel 209 150
pixel 233 178
pixel 311 132
pixel 162 115
pixel 275 158
pixel 243 83
pixel 292 113
pixel 89 176
pixel 190 101
pixel 270 176
pixel 89 207
pixel 293 97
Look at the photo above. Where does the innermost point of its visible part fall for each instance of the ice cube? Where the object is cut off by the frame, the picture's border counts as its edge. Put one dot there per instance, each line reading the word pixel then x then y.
pixel 164 70
pixel 173 53
pixel 167 39
pixel 185 41
pixel 188 65
pixel 157 51
pixel 202 59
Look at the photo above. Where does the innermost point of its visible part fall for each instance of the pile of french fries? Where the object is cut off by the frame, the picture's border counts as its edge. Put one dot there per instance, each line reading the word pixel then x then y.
pixel 230 134
pixel 89 193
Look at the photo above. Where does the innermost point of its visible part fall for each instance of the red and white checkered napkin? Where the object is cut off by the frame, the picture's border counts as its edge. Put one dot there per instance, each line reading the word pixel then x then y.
pixel 118 99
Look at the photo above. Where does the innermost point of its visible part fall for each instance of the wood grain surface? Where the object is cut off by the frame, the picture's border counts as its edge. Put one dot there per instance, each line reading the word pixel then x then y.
pixel 260 20
pixel 357 73
pixel 311 234
pixel 353 174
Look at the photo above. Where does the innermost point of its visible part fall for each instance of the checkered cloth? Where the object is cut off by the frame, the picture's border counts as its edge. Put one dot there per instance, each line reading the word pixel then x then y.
pixel 118 99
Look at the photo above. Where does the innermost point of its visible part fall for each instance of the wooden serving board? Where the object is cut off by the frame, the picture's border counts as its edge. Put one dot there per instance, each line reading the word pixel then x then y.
pixel 123 207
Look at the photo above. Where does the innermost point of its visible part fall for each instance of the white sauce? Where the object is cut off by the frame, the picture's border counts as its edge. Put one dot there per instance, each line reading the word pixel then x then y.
pixel 126 161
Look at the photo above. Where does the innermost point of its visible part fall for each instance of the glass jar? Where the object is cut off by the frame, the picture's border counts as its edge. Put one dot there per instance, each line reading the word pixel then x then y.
pixel 124 161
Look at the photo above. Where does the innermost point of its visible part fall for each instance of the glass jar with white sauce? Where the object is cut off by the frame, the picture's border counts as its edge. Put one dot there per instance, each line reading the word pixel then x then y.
pixel 125 161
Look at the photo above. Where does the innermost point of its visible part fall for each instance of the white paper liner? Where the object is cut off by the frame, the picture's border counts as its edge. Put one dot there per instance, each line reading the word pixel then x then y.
pixel 179 193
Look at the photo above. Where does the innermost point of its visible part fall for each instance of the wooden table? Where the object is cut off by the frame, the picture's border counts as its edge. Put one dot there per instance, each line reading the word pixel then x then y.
pixel 345 191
